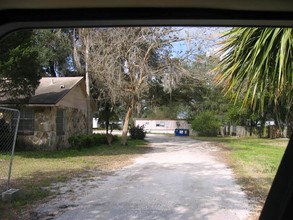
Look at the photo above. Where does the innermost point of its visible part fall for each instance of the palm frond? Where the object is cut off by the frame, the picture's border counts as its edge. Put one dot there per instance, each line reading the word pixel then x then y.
pixel 257 64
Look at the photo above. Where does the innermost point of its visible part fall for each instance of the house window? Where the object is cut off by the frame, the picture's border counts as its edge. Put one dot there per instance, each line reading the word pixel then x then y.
pixel 160 124
pixel 26 121
pixel 60 124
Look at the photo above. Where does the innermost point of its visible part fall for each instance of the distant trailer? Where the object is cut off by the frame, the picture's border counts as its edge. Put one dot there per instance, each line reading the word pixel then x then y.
pixel 165 126
pixel 95 123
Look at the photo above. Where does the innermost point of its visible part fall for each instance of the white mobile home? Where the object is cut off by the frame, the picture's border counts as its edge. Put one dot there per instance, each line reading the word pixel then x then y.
pixel 161 125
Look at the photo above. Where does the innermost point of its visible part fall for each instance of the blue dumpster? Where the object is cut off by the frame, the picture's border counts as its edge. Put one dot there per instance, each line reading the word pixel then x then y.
pixel 181 132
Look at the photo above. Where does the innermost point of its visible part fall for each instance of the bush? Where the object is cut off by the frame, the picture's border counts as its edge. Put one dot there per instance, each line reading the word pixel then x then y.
pixel 90 140
pixel 206 124
pixel 20 144
pixel 137 132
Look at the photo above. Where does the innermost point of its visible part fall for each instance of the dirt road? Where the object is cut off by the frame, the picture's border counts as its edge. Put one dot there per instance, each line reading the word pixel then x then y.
pixel 179 179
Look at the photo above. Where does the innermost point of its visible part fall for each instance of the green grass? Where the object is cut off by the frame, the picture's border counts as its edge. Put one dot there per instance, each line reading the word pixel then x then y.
pixel 261 155
pixel 254 160
pixel 32 171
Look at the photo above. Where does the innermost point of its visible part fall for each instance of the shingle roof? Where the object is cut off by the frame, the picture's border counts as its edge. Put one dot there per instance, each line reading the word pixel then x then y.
pixel 50 90
pixel 53 89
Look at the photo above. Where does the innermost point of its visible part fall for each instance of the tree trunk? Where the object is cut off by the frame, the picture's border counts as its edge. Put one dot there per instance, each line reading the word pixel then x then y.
pixel 125 126
pixel 107 126
pixel 52 69
pixel 250 128
pixel 107 116
pixel 127 119
pixel 87 83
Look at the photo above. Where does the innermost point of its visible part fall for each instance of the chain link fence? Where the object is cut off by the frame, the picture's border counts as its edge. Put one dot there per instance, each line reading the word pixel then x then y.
pixel 9 120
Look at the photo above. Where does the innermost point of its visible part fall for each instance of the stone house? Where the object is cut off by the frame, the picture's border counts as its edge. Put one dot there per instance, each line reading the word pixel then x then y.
pixel 57 110
pixel 167 126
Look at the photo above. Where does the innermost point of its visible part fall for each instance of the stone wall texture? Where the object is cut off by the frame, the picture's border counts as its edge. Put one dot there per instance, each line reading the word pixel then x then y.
pixel 45 136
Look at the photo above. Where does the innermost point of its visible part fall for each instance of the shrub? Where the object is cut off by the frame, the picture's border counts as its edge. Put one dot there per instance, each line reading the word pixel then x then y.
pixel 90 140
pixel 137 132
pixel 206 124
pixel 75 142
pixel 21 144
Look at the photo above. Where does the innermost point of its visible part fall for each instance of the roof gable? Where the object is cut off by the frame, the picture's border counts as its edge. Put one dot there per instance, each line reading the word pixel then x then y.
pixel 49 92
pixel 53 89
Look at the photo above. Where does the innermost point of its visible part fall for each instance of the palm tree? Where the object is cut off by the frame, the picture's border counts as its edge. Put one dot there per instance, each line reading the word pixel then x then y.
pixel 257 66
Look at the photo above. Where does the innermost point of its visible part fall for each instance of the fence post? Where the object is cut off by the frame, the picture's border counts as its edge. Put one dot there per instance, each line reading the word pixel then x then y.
pixel 9 121
pixel 13 148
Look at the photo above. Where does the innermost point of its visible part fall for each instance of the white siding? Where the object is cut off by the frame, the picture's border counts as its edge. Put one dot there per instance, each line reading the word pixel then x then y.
pixel 160 126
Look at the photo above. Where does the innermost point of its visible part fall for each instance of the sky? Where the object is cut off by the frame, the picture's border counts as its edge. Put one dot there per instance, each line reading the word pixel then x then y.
pixel 203 40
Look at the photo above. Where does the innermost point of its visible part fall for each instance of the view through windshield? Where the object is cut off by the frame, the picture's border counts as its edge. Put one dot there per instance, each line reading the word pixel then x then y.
pixel 161 117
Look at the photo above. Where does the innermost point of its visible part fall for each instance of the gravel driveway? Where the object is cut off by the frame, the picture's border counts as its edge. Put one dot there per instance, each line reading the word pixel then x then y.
pixel 179 179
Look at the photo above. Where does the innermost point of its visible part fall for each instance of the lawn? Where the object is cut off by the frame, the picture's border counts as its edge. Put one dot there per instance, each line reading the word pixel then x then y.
pixel 32 171
pixel 254 161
